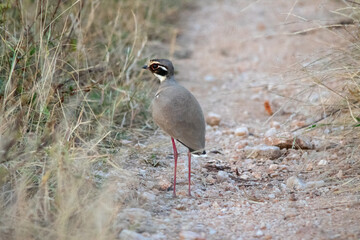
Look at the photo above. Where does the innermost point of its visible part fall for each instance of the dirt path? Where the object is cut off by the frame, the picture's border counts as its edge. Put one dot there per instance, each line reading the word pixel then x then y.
pixel 242 54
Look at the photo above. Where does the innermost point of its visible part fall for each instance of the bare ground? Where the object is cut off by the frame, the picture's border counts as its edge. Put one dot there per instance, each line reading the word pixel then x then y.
pixel 234 56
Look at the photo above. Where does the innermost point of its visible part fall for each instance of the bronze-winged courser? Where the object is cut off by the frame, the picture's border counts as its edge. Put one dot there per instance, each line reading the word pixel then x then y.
pixel 177 112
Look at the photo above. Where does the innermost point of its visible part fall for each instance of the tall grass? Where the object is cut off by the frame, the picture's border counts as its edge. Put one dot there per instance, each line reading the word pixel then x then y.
pixel 332 81
pixel 71 90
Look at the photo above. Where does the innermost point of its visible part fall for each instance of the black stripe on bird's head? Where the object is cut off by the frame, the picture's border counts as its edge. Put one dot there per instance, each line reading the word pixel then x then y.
pixel 161 68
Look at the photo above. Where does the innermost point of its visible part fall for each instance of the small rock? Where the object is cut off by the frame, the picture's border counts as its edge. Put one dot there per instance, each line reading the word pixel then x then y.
pixel 130 235
pixel 340 174
pixel 136 219
pixel 322 162
pixel 213 119
pixel 245 176
pixel 270 132
pixel 273 167
pixel 263 151
pixel 257 175
pixel 295 183
pixel 275 124
pixel 210 179
pixel 241 144
pixel 296 124
pixel 188 235
pixel 209 78
pixel 164 185
pixel 315 184
pixel 259 233
pixel 222 176
pixel 309 167
pixel 212 231
pixel 271 196
pixel 148 196
pixel 241 131
pixel 289 142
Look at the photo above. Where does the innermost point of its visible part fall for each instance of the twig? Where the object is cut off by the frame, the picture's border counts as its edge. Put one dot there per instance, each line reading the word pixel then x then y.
pixel 316 121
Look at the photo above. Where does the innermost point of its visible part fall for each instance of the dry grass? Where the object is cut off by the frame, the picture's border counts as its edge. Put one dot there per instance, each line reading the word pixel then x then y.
pixel 329 88
pixel 71 91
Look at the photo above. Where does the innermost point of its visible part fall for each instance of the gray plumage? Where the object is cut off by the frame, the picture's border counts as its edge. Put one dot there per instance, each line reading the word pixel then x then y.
pixel 176 110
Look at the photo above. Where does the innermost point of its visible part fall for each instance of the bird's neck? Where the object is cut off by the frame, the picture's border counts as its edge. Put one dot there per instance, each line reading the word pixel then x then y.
pixel 167 80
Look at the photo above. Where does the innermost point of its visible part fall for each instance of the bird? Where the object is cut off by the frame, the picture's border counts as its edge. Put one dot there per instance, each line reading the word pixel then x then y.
pixel 177 112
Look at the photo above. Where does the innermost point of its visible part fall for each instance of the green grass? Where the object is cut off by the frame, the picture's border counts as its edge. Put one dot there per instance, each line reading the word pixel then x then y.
pixel 71 89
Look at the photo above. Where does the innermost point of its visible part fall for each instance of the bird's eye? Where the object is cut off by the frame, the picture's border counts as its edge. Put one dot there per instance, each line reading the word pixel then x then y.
pixel 154 66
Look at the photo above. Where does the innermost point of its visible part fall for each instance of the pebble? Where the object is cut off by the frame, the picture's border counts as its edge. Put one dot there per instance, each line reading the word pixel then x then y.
pixel 213 119
pixel 263 151
pixel 340 174
pixel 130 235
pixel 241 131
pixel 222 176
pixel 288 142
pixel 273 167
pixel 295 183
pixel 309 167
pixel 271 196
pixel 241 144
pixel 148 196
pixel 164 184
pixel 210 179
pixel 322 162
pixel 259 233
pixel 315 184
pixel 188 235
pixel 209 78
pixel 270 132
pixel 257 175
pixel 245 176
pixel 136 219
pixel 275 124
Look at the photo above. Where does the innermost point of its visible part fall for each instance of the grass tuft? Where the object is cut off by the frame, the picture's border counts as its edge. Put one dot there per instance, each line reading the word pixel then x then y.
pixel 71 91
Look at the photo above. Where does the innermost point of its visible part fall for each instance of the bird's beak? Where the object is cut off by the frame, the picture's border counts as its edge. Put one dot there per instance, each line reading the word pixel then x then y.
pixel 145 67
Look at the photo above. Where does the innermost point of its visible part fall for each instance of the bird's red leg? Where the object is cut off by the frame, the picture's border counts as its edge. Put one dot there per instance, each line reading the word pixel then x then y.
pixel 189 157
pixel 175 158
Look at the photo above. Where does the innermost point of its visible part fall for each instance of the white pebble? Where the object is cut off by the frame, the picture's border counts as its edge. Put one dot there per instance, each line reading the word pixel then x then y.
pixel 242 131
pixel 322 162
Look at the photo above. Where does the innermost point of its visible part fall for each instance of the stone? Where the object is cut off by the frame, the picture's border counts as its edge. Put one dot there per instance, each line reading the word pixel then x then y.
pixel 322 162
pixel 222 176
pixel 314 184
pixel 210 180
pixel 189 235
pixel 209 78
pixel 289 142
pixel 256 175
pixel 262 151
pixel 309 167
pixel 245 176
pixel 164 185
pixel 130 235
pixel 273 167
pixel 213 119
pixel 275 124
pixel 340 174
pixel 259 233
pixel 136 219
pixel 295 183
pixel 148 196
pixel 241 131
pixel 270 132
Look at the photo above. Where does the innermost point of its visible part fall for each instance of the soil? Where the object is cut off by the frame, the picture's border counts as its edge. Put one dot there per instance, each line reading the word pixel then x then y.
pixel 234 56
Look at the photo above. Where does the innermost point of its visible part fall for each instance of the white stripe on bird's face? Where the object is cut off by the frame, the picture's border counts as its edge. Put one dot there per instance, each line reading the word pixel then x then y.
pixel 161 78
pixel 163 68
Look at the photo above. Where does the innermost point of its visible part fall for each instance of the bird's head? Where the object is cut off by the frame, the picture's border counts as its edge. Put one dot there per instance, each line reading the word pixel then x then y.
pixel 161 68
